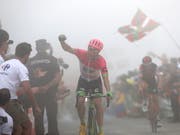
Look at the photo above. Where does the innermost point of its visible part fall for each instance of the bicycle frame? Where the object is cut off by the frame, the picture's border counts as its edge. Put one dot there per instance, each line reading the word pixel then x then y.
pixel 92 126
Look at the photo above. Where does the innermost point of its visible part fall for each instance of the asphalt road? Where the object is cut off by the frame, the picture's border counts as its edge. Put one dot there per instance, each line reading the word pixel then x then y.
pixel 122 126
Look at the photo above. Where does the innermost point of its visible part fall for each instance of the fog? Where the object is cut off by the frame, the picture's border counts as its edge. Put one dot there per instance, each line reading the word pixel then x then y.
pixel 81 20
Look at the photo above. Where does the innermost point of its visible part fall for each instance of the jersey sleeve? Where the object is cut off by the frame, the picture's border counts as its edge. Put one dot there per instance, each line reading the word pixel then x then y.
pixel 103 65
pixel 23 74
pixel 79 53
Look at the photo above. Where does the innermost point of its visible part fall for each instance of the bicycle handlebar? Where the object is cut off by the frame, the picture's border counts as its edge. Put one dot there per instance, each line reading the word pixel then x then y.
pixel 97 96
pixel 94 96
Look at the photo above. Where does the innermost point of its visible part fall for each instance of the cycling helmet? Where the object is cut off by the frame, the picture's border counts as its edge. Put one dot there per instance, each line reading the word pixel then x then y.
pixel 96 43
pixel 146 60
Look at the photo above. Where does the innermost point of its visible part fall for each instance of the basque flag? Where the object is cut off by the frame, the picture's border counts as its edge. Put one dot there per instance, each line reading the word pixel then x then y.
pixel 139 27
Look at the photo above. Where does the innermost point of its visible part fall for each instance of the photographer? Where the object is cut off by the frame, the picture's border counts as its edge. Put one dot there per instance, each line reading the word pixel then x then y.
pixel 6 121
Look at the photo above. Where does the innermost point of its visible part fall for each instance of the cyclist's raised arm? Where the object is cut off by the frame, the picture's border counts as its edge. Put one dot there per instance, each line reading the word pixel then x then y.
pixel 64 45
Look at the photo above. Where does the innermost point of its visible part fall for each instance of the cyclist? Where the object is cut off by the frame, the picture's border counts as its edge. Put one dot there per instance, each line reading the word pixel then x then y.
pixel 92 65
pixel 149 78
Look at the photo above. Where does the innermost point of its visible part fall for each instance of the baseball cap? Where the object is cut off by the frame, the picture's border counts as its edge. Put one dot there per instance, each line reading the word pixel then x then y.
pixel 4 36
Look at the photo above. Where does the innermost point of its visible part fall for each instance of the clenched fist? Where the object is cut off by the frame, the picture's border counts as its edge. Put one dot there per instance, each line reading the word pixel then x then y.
pixel 62 37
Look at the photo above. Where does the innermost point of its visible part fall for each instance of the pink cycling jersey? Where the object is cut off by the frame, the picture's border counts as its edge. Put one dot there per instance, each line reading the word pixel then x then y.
pixel 90 69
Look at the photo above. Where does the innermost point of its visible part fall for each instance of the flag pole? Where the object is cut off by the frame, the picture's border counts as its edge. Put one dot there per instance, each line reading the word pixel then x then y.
pixel 170 35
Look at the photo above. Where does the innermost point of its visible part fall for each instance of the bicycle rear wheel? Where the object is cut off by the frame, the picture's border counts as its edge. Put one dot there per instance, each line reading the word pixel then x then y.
pixel 152 115
pixel 92 124
pixel 153 125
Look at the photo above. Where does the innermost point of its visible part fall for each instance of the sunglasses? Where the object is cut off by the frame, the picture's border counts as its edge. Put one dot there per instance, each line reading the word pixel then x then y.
pixel 93 49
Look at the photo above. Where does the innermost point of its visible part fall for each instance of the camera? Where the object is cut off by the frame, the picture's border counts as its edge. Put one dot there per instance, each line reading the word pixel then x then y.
pixel 3 120
pixel 62 64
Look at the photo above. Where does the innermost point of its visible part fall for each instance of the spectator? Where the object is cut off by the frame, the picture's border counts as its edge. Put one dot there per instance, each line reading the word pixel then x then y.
pixel 174 85
pixel 4 44
pixel 14 74
pixel 6 121
pixel 45 74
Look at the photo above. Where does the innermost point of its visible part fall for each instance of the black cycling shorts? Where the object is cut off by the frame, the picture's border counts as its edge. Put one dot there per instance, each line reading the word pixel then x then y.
pixel 84 87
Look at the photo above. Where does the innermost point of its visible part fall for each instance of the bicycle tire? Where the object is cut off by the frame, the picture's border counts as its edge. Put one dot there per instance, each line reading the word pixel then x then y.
pixel 154 126
pixel 152 116
pixel 92 124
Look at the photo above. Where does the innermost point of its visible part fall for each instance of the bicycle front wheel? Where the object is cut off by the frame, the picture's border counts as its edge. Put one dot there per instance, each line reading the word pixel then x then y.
pixel 92 123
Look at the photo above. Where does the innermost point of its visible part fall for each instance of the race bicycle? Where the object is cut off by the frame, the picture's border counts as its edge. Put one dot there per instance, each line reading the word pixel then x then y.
pixel 151 105
pixel 92 126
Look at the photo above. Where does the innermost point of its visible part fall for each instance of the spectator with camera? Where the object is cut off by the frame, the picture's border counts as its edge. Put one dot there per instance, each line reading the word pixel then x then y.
pixel 6 121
